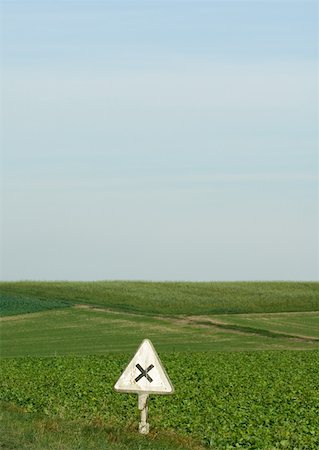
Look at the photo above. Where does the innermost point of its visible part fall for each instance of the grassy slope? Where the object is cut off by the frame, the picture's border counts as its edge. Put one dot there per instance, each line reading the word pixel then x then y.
pixel 304 324
pixel 21 430
pixel 85 331
pixel 176 298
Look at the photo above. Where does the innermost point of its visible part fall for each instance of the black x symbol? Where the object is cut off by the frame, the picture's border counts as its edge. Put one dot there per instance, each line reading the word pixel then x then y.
pixel 144 373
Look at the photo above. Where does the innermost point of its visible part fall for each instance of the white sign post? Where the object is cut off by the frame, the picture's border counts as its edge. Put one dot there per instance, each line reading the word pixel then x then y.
pixel 144 375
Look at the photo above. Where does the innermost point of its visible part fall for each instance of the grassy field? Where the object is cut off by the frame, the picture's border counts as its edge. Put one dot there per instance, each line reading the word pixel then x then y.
pixel 20 429
pixel 228 348
pixel 303 324
pixel 175 298
pixel 80 331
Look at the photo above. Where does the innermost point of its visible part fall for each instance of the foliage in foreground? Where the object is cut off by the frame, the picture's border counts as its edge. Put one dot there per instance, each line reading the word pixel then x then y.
pixel 258 400
pixel 176 297
pixel 33 431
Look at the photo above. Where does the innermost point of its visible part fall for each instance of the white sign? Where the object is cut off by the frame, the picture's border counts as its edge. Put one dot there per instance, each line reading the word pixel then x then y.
pixel 145 374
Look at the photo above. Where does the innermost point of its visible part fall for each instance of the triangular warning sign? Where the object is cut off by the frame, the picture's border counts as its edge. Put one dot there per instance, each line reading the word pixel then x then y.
pixel 145 373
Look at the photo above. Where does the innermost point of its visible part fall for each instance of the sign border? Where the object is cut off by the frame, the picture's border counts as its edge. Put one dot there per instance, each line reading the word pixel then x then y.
pixel 142 391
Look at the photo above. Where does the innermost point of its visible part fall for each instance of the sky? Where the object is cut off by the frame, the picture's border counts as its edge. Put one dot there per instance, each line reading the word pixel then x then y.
pixel 159 140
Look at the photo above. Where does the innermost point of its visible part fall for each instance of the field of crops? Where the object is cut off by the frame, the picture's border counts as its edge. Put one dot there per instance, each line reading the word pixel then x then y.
pixel 239 381
pixel 176 298
pixel 20 304
pixel 225 400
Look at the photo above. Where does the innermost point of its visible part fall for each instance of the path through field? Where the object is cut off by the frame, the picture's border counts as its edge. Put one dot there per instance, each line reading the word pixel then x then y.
pixel 83 329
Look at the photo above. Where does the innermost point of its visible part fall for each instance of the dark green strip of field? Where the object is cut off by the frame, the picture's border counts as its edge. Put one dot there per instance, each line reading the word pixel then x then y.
pixel 11 305
pixel 174 298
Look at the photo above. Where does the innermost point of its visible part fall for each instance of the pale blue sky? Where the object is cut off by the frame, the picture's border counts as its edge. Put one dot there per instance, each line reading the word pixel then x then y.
pixel 159 140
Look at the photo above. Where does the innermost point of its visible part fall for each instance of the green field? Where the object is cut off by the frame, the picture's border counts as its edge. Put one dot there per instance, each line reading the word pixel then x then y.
pixel 176 298
pixel 221 398
pixel 85 331
pixel 229 349
pixel 302 324
pixel 11 305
